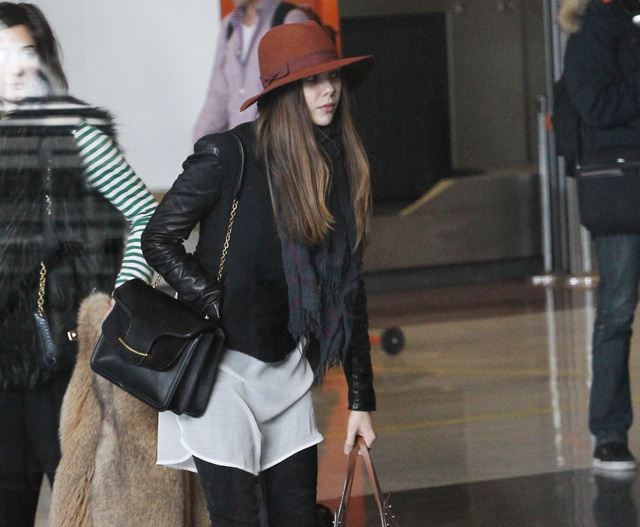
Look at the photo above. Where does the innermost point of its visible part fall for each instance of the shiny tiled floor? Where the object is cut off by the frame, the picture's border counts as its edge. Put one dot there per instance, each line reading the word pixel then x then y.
pixel 482 417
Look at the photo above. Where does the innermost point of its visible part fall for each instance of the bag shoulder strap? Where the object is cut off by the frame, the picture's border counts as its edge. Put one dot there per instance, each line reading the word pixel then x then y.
pixel 229 30
pixel 240 179
pixel 278 17
pixel 566 123
pixel 281 13
pixel 234 208
pixel 234 205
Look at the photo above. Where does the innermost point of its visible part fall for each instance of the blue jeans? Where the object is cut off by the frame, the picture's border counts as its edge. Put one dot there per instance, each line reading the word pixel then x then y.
pixel 610 412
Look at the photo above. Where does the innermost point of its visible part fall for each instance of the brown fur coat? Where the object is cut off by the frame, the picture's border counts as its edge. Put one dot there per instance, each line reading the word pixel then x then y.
pixel 107 475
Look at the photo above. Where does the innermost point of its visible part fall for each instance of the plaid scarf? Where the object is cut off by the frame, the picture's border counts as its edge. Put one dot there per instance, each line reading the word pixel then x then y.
pixel 323 280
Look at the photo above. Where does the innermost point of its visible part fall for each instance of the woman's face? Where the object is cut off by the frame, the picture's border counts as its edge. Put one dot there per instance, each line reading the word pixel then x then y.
pixel 322 95
pixel 19 64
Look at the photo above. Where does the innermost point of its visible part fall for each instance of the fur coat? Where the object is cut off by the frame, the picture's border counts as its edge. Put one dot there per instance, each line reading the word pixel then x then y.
pixel 107 475
pixel 570 15
pixel 50 214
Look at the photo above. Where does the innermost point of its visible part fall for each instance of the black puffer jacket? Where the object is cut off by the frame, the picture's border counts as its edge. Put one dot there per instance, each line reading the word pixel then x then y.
pixel 602 73
pixel 255 309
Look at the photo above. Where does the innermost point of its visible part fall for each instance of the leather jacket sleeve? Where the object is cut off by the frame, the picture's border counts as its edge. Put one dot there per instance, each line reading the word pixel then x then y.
pixel 357 364
pixel 193 194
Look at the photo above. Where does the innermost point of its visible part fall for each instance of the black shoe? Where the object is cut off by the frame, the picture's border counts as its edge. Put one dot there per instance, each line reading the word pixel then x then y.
pixel 613 456
pixel 325 515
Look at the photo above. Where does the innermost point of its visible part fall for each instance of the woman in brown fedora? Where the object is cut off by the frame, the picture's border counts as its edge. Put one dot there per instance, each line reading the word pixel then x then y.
pixel 293 287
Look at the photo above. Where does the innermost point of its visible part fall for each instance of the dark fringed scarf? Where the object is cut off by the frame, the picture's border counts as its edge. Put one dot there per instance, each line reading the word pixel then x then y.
pixel 323 280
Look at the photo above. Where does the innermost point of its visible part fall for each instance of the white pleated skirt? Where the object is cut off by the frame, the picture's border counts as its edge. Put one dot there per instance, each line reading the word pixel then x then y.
pixel 260 414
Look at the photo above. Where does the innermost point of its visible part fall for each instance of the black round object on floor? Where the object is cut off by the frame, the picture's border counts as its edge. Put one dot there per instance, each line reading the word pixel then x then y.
pixel 392 340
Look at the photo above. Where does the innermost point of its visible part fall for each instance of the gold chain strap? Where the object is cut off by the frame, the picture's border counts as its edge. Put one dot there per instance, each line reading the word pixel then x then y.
pixel 43 269
pixel 43 281
pixel 225 248
pixel 232 217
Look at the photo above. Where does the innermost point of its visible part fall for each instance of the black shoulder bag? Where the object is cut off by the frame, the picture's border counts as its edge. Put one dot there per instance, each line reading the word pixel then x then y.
pixel 609 192
pixel 54 327
pixel 158 349
pixel 608 180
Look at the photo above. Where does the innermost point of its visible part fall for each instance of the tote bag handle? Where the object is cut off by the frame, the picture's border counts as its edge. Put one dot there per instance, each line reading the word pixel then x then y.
pixel 382 502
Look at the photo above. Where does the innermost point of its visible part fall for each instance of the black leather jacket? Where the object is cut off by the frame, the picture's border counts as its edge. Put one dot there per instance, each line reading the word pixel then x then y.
pixel 255 312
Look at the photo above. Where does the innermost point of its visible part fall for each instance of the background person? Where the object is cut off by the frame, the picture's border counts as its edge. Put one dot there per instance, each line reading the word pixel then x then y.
pixel 602 74
pixel 293 274
pixel 235 75
pixel 53 210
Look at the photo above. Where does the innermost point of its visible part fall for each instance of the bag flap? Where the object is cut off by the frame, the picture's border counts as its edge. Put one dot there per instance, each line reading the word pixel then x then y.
pixel 148 314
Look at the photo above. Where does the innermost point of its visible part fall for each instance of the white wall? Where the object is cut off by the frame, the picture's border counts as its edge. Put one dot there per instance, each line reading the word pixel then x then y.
pixel 146 61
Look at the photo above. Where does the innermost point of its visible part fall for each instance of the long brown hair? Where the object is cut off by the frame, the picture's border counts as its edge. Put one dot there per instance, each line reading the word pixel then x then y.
pixel 299 171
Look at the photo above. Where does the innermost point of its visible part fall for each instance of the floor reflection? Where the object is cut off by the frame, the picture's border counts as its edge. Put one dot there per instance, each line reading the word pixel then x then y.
pixel 614 504
pixel 482 417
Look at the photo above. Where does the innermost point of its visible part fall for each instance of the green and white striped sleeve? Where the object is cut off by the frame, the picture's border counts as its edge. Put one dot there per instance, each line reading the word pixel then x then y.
pixel 108 172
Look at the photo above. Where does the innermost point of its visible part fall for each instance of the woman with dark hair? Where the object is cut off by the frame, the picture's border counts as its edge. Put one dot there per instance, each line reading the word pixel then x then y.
pixel 65 191
pixel 293 287
pixel 40 46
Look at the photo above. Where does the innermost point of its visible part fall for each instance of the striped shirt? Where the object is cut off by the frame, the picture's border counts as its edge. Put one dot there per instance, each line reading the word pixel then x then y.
pixel 109 173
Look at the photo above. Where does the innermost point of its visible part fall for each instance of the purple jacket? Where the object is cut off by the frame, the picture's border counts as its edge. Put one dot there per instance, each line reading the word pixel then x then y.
pixel 233 82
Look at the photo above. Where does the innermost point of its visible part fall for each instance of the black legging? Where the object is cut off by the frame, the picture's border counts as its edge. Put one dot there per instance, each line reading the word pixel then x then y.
pixel 289 486
pixel 29 423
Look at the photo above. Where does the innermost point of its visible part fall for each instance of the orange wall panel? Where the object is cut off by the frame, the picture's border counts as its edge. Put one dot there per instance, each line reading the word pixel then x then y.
pixel 225 7
pixel 326 9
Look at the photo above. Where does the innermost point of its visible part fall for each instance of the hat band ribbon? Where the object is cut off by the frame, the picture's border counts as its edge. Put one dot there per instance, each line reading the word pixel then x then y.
pixel 297 64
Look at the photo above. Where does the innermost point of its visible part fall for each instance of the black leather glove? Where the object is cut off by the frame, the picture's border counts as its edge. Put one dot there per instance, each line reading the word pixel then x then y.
pixel 212 299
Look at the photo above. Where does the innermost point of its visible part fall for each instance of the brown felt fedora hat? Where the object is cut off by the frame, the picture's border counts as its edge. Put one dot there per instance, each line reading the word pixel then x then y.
pixel 290 52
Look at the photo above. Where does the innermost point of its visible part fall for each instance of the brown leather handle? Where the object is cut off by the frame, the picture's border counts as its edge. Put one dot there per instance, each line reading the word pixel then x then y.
pixel 341 513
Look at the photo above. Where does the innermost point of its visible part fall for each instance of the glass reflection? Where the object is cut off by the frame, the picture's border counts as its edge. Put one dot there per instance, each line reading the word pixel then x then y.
pixel 28 69
pixel 614 505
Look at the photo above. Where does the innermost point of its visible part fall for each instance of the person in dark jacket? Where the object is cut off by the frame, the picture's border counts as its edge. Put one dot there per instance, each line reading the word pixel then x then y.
pixel 292 280
pixel 602 73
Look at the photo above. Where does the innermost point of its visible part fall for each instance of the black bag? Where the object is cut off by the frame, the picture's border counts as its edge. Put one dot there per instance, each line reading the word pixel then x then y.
pixel 56 352
pixel 608 181
pixel 157 348
pixel 609 196
pixel 58 347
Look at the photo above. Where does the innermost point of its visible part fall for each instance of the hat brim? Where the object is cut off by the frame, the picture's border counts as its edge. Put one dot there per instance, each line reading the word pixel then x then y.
pixel 354 70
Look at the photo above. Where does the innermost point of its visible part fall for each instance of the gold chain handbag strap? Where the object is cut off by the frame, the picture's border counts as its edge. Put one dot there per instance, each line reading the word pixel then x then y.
pixel 41 287
pixel 225 248
pixel 43 268
pixel 234 208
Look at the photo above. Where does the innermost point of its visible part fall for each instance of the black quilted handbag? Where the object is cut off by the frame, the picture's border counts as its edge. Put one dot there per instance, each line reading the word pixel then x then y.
pixel 157 348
